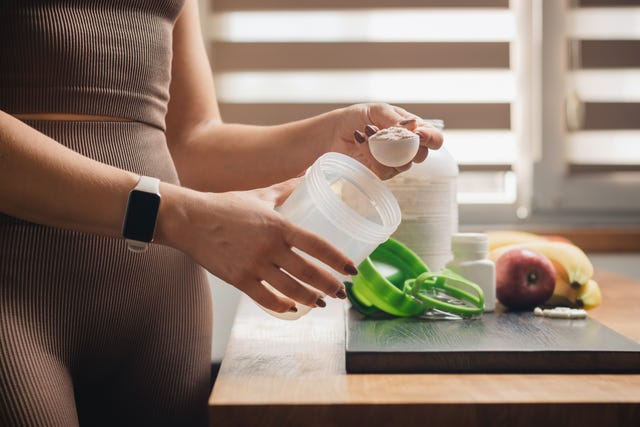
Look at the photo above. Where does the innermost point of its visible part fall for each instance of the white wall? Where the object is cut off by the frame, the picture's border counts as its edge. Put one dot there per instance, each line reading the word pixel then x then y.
pixel 225 302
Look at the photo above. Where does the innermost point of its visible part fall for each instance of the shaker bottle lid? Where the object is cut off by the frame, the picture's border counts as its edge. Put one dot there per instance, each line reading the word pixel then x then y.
pixel 409 288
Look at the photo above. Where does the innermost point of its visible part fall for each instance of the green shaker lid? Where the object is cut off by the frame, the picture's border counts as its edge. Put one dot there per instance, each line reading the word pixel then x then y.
pixel 394 280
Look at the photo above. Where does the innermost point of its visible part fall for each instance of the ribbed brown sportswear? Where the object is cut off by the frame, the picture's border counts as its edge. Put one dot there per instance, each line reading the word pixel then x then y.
pixel 91 333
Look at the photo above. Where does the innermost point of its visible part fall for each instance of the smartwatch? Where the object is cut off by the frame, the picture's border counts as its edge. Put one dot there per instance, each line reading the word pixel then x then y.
pixel 142 214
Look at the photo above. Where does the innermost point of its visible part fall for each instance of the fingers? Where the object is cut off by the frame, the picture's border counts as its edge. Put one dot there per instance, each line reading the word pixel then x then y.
pixel 382 116
pixel 404 168
pixel 422 154
pixel 430 137
pixel 284 189
pixel 310 273
pixel 371 130
pixel 276 194
pixel 279 292
pixel 290 277
pixel 409 124
pixel 296 278
pixel 263 294
pixel 320 249
pixel 290 287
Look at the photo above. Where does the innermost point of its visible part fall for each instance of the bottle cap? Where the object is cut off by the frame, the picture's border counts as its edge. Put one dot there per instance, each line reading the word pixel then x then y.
pixel 477 243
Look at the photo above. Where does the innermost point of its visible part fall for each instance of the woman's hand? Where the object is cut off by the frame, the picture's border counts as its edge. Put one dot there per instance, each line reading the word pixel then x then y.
pixel 239 237
pixel 358 122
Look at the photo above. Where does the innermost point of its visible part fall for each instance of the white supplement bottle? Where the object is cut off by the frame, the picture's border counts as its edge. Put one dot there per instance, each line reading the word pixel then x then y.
pixel 427 195
pixel 470 252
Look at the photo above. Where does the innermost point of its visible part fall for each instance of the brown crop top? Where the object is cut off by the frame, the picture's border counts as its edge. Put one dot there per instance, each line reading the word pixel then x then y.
pixel 93 57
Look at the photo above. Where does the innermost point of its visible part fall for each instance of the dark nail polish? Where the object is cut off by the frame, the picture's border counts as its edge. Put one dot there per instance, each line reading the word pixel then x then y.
pixel 370 130
pixel 350 269
pixel 359 136
pixel 320 303
pixel 293 310
pixel 341 294
pixel 407 121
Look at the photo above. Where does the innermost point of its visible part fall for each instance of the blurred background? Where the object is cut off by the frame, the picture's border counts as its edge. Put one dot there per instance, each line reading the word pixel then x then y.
pixel 540 98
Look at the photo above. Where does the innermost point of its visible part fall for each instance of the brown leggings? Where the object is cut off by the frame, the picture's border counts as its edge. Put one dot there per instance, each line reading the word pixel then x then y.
pixel 92 334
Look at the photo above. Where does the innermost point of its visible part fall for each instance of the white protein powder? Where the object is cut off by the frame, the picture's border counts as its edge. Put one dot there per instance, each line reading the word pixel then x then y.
pixel 394 146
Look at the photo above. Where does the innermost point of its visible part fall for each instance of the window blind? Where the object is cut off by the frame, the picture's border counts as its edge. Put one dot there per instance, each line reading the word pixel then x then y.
pixel 281 60
pixel 603 103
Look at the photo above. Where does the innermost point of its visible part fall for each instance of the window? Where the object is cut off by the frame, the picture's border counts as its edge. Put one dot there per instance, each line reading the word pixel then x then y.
pixel 497 71
pixel 590 163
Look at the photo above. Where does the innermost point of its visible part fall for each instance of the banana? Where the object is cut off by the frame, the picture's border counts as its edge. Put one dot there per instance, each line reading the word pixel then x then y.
pixel 571 263
pixel 587 296
pixel 499 238
pixel 564 294
pixel 590 297
pixel 574 285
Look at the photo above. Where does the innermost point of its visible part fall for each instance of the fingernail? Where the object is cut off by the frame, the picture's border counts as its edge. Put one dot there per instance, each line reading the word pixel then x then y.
pixel 407 121
pixel 341 294
pixel 320 303
pixel 350 269
pixel 359 136
pixel 293 310
pixel 370 130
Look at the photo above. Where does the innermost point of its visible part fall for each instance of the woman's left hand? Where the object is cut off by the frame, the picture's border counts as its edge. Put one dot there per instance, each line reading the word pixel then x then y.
pixel 357 122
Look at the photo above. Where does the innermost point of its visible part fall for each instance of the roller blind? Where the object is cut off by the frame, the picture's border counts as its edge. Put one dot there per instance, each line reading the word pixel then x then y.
pixel 603 102
pixel 281 60
pixel 588 168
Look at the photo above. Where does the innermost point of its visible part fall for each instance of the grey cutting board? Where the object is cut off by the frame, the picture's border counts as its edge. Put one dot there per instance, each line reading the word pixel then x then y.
pixel 495 342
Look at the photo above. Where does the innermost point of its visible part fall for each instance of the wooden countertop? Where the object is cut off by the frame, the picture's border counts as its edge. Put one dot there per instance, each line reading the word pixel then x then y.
pixel 283 373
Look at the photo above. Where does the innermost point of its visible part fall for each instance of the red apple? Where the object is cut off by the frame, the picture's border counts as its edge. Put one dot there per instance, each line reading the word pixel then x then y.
pixel 524 279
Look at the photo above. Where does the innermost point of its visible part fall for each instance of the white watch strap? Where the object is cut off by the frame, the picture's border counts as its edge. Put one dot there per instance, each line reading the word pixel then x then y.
pixel 136 246
pixel 148 184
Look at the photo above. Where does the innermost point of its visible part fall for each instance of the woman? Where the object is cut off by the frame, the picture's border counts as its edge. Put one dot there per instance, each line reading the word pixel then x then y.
pixel 95 95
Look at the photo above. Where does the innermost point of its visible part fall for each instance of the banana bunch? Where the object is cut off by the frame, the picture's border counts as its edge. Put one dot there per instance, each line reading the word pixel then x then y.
pixel 575 286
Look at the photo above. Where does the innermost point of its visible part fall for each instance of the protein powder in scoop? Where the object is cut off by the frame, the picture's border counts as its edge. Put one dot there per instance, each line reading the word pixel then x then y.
pixel 394 146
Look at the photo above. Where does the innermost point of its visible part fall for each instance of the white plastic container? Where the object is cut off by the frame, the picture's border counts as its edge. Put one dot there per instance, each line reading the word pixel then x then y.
pixel 470 252
pixel 427 195
pixel 341 200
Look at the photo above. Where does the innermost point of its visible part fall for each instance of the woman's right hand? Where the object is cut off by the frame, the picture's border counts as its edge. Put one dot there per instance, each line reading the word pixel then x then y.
pixel 240 238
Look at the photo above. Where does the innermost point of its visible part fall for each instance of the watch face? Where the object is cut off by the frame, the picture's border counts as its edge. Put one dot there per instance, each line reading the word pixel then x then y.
pixel 142 213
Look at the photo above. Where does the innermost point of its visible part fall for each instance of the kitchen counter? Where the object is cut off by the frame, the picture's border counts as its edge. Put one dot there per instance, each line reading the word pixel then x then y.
pixel 284 373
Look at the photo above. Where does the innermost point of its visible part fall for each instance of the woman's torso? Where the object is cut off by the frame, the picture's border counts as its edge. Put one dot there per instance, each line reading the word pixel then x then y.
pixel 87 60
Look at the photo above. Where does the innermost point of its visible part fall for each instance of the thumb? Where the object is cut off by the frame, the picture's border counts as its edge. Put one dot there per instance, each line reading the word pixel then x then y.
pixel 276 194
